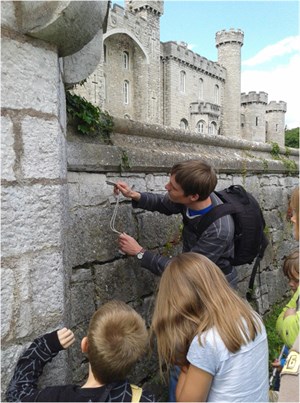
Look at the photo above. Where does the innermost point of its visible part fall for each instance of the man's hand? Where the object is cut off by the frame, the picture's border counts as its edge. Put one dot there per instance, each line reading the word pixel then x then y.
pixel 66 337
pixel 126 191
pixel 129 245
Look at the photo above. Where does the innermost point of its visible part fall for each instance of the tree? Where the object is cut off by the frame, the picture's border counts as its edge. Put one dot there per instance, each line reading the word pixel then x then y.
pixel 292 138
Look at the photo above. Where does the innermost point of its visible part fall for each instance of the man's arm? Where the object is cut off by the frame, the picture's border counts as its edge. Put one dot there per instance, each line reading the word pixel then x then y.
pixel 23 385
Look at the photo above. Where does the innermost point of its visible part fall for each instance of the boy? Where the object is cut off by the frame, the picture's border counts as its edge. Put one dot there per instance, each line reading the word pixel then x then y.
pixel 117 337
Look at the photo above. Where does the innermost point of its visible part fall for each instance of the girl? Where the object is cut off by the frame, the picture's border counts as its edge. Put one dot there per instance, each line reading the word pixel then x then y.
pixel 216 338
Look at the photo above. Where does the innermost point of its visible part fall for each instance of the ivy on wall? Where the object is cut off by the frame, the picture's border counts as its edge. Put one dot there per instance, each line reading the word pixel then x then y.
pixel 88 119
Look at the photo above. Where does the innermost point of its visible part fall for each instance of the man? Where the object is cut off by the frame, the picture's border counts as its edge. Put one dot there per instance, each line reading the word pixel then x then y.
pixel 189 193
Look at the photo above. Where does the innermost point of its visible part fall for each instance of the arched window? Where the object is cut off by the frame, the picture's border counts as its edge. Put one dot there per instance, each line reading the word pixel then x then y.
pixel 200 127
pixel 213 128
pixel 256 121
pixel 217 94
pixel 201 88
pixel 183 124
pixel 126 60
pixel 182 81
pixel 126 92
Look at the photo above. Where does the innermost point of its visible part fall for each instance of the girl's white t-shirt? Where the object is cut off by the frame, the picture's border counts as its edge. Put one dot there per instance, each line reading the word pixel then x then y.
pixel 237 377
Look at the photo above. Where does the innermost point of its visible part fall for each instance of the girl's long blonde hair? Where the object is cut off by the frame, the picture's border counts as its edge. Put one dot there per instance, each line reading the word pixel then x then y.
pixel 193 297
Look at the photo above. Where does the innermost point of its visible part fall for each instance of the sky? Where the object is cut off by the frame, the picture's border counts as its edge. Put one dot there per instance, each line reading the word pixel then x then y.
pixel 271 50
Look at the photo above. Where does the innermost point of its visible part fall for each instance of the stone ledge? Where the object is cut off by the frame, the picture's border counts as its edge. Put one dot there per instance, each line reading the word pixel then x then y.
pixel 154 148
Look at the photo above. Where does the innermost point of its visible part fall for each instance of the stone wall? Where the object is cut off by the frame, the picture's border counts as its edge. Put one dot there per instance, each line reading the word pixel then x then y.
pixel 37 37
pixel 60 260
pixel 142 155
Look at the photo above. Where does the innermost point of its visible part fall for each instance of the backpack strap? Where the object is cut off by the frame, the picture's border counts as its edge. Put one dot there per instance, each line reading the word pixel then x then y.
pixel 214 214
pixel 136 393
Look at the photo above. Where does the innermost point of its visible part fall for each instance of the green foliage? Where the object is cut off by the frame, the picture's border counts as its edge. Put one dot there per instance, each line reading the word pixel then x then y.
pixel 275 152
pixel 125 163
pixel 292 138
pixel 275 342
pixel 88 118
pixel 290 165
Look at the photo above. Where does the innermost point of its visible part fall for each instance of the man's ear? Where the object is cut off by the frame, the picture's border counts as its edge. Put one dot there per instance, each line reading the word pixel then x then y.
pixel 84 345
pixel 194 197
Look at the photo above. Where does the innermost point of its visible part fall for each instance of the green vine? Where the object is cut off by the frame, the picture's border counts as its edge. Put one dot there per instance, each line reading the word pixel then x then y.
pixel 88 118
pixel 290 165
pixel 125 164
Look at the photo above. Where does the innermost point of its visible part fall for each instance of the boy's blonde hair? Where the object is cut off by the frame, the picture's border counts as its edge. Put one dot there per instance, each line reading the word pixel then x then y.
pixel 195 177
pixel 193 297
pixel 291 266
pixel 117 338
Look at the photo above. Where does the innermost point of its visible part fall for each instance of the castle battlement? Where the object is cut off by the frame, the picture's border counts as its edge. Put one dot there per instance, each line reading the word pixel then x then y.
pixel 274 106
pixel 254 97
pixel 156 7
pixel 179 51
pixel 231 36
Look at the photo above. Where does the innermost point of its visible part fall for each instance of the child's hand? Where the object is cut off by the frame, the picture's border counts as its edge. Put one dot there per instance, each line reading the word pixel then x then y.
pixel 289 312
pixel 66 337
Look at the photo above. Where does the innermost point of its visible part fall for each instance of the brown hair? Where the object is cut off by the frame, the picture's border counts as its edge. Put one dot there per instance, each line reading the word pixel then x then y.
pixel 117 338
pixel 195 177
pixel 291 266
pixel 193 297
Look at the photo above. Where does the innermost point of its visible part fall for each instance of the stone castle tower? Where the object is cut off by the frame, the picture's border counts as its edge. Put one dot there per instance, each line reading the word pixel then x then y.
pixel 229 45
pixel 146 80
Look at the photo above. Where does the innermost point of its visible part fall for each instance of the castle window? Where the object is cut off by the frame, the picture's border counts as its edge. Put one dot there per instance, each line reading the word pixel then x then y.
pixel 213 128
pixel 126 60
pixel 183 124
pixel 200 127
pixel 104 53
pixel 277 127
pixel 217 94
pixel 200 88
pixel 126 92
pixel 256 121
pixel 182 81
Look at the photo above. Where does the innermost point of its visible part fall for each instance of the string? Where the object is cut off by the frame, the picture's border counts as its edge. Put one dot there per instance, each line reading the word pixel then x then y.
pixel 113 217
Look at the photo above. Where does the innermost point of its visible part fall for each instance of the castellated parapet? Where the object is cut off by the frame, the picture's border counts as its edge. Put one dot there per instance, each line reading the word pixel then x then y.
pixel 254 97
pixel 233 35
pixel 180 52
pixel 153 6
pixel 274 106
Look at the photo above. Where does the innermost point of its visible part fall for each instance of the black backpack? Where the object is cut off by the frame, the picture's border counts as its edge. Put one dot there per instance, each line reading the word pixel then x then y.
pixel 250 241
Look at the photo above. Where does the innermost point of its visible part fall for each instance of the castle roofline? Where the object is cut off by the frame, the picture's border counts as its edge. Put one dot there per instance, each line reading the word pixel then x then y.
pixel 274 106
pixel 231 36
pixel 178 51
pixel 254 97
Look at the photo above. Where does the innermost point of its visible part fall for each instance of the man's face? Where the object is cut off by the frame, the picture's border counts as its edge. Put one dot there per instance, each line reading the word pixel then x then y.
pixel 175 192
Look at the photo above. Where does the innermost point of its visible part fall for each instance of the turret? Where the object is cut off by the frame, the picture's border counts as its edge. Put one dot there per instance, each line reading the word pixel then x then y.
pixel 229 45
pixel 253 110
pixel 275 117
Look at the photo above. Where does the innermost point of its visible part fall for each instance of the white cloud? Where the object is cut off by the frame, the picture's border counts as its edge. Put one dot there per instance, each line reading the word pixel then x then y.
pixel 281 83
pixel 281 48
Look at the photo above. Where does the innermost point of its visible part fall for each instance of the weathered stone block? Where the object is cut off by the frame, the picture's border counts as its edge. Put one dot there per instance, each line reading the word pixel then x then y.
pixel 31 71
pixel 41 154
pixel 26 224
pixel 8 155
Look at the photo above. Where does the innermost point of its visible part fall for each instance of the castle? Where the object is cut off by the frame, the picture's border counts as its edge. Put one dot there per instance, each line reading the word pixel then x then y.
pixel 144 79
